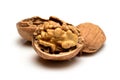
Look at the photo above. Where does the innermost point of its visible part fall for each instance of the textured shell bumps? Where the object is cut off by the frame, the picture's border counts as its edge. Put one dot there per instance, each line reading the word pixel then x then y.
pixel 93 36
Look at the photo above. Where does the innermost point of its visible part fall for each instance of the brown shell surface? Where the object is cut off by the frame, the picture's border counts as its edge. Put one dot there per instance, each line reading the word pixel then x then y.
pixel 93 36
pixel 26 32
pixel 56 57
pixel 27 26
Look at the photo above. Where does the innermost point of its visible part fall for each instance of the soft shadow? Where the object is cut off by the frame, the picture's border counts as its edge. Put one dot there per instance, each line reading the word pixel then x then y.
pixel 54 64
pixel 91 54
pixel 23 42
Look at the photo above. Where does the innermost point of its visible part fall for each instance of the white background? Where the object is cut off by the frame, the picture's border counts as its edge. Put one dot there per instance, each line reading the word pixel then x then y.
pixel 18 60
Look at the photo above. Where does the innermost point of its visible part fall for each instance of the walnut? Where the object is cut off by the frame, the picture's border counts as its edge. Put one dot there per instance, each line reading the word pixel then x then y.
pixel 53 41
pixel 93 36
pixel 27 26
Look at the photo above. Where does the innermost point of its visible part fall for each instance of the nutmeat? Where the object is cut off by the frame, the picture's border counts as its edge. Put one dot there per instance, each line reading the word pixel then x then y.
pixel 51 41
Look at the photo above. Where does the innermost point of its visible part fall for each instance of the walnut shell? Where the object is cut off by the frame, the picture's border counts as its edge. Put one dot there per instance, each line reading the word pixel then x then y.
pixel 52 41
pixel 93 36
pixel 61 56
pixel 26 27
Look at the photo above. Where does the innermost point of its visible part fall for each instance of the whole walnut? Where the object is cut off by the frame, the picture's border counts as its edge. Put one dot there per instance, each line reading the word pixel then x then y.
pixel 93 35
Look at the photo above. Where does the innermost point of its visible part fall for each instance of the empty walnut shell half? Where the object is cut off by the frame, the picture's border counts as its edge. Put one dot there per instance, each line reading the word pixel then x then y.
pixel 53 41
pixel 27 26
pixel 93 36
